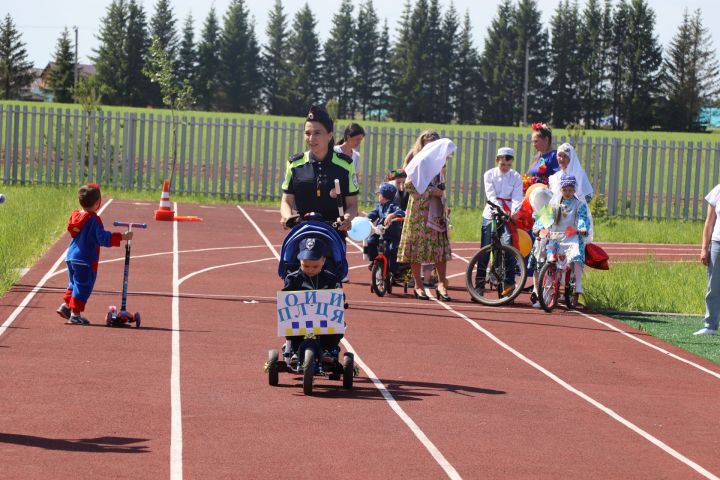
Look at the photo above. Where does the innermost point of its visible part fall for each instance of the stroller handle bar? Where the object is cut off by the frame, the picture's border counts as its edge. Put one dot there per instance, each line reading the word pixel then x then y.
pixel 129 224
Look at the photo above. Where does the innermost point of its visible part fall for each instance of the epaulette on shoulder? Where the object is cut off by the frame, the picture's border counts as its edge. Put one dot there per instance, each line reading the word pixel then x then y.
pixel 296 156
pixel 347 158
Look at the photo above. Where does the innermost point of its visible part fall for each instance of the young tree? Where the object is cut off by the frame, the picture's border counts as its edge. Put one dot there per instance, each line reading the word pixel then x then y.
pixel 365 59
pixel 15 69
pixel 174 96
pixel 692 75
pixel 62 73
pixel 565 79
pixel 240 61
pixel 467 84
pixel 497 68
pixel 137 48
pixel 207 79
pixel 187 54
pixel 306 55
pixel 110 58
pixel 337 65
pixel 275 63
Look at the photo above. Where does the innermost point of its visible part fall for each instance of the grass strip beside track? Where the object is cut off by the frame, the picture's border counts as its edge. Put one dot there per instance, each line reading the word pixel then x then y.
pixel 649 286
pixel 676 330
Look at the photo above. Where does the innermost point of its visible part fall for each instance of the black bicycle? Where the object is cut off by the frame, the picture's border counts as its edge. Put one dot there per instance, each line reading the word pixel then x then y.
pixel 503 276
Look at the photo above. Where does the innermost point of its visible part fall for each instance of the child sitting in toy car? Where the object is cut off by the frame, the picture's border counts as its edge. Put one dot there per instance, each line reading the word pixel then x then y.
pixel 311 276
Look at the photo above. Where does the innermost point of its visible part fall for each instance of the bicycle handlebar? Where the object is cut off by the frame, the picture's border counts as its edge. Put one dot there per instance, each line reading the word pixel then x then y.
pixel 499 210
pixel 381 228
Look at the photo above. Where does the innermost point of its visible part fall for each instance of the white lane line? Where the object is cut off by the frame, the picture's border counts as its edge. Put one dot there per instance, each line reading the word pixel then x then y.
pixel 633 337
pixel 28 298
pixel 427 443
pixel 262 235
pixel 159 254
pixel 176 438
pixel 198 272
pixel 648 344
pixel 608 411
pixel 359 247
pixel 414 428
pixel 640 340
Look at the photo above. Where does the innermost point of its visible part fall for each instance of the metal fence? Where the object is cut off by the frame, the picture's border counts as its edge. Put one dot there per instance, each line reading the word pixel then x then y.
pixel 246 159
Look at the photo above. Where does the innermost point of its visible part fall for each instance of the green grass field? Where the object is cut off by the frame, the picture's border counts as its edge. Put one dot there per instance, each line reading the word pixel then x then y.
pixel 647 287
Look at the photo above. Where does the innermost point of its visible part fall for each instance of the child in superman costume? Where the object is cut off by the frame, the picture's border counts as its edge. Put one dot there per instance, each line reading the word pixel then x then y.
pixel 88 235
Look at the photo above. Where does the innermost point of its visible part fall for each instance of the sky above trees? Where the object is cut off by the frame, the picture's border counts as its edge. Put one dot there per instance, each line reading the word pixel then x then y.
pixel 41 22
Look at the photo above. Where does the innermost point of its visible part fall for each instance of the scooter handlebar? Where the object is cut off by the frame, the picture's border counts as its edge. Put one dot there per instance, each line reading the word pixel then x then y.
pixel 129 224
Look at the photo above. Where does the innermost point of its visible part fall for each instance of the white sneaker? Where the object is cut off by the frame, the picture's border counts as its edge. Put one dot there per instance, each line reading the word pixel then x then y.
pixel 536 305
pixel 705 331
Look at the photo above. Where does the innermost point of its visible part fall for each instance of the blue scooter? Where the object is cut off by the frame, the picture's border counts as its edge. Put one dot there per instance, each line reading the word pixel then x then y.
pixel 123 317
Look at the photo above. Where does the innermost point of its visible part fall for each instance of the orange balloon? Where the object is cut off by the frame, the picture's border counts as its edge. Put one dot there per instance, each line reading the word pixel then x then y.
pixel 524 242
pixel 533 187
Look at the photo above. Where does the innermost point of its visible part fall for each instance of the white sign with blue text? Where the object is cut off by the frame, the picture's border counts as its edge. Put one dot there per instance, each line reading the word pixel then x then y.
pixel 321 312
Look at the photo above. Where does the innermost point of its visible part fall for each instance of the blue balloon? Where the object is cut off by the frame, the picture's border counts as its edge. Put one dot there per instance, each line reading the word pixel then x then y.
pixel 360 229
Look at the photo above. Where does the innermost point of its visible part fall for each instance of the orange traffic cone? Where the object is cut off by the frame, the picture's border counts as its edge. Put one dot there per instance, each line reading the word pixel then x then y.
pixel 165 212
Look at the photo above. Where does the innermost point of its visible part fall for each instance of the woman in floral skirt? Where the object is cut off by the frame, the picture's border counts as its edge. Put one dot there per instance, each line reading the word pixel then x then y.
pixel 425 235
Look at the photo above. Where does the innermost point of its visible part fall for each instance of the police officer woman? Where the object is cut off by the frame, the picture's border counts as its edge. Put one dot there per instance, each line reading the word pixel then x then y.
pixel 309 184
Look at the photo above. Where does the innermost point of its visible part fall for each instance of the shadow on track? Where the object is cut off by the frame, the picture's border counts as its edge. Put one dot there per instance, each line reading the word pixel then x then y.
pixel 92 445
pixel 142 327
pixel 401 390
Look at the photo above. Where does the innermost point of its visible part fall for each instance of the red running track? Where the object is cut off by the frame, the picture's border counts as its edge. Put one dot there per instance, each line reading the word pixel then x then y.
pixel 447 389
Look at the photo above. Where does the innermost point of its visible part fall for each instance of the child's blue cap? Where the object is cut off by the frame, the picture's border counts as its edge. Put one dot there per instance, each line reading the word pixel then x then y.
pixel 311 248
pixel 387 190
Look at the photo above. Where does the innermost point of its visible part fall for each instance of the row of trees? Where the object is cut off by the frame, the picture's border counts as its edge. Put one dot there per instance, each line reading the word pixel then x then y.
pixel 602 65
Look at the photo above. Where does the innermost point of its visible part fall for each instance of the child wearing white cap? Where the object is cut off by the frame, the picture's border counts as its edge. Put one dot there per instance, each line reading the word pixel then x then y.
pixel 503 187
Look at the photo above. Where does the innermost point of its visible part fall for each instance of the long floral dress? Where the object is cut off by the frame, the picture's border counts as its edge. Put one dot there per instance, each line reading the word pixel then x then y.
pixel 420 243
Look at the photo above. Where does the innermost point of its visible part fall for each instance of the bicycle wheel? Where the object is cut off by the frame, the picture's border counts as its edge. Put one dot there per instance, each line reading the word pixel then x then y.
pixel 569 287
pixel 377 279
pixel 489 287
pixel 549 287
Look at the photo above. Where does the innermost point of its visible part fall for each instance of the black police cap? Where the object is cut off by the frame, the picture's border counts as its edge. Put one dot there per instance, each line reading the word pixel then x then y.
pixel 319 114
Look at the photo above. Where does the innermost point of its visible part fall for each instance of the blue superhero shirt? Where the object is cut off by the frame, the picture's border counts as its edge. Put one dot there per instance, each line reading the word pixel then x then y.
pixel 88 235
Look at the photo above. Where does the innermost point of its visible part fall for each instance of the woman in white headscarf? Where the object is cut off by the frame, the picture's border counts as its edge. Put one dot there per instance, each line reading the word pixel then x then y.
pixel 425 236
pixel 570 165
